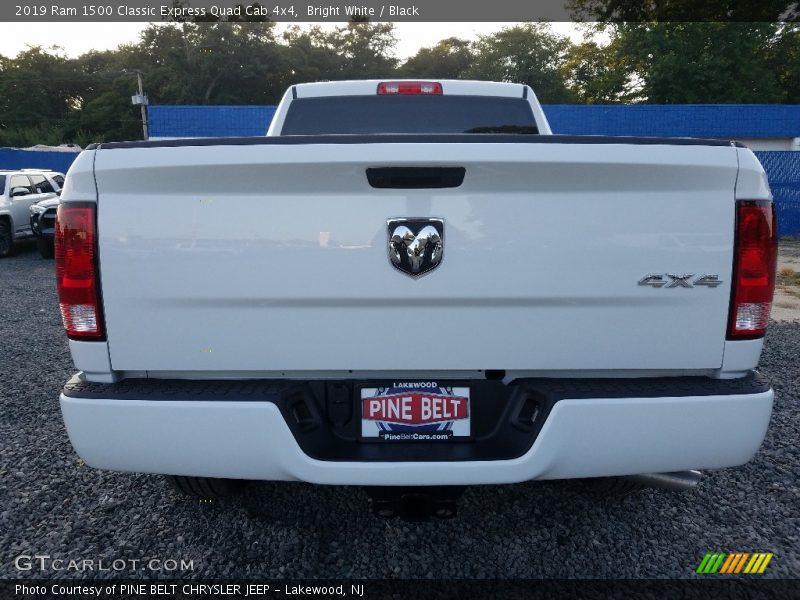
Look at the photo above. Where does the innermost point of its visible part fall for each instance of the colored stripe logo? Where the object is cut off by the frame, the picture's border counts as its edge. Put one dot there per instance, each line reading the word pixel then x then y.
pixel 734 562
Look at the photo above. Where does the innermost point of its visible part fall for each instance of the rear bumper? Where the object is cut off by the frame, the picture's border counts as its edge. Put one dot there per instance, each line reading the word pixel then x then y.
pixel 581 436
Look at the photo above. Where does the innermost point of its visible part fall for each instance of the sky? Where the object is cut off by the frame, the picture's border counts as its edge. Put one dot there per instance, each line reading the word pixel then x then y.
pixel 77 38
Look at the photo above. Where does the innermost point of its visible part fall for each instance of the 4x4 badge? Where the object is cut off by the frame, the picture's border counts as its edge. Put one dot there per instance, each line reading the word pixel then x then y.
pixel 672 280
pixel 416 246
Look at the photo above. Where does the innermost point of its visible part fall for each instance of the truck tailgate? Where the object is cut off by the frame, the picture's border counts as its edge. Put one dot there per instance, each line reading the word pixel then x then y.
pixel 265 257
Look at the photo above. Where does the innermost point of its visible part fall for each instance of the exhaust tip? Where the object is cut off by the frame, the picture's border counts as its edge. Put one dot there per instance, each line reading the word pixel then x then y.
pixel 676 481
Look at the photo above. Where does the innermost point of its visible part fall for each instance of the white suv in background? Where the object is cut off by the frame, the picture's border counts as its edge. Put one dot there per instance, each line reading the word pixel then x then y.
pixel 19 190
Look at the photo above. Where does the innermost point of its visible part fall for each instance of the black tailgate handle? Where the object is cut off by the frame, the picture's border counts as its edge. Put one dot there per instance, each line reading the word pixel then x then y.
pixel 415 177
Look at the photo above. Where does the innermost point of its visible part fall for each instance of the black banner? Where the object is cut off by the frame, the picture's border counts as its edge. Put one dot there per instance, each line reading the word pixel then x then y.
pixel 713 587
pixel 408 11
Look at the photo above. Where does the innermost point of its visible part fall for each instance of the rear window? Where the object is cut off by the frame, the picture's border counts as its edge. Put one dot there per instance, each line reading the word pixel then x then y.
pixel 408 114
pixel 2 184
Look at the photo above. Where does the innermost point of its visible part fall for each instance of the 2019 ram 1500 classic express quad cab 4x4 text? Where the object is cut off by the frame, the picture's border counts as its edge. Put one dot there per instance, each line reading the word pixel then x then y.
pixel 412 284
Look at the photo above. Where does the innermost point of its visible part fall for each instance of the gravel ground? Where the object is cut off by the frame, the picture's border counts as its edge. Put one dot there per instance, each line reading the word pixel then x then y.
pixel 51 503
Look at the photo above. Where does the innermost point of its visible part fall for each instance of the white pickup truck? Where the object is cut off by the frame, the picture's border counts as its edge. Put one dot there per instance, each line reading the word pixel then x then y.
pixel 414 287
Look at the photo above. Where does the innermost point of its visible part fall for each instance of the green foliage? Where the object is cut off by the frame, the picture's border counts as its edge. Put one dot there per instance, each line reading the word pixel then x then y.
pixel 695 63
pixel 364 50
pixel 210 63
pixel 451 58
pixel 36 83
pixel 305 57
pixel 783 55
pixel 683 51
pixel 529 53
pixel 596 74
pixel 24 137
pixel 49 98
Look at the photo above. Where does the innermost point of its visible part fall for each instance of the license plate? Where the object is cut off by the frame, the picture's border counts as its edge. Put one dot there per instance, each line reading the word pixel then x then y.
pixel 421 411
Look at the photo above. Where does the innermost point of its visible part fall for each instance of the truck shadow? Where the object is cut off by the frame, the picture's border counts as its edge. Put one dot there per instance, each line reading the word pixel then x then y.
pixel 500 531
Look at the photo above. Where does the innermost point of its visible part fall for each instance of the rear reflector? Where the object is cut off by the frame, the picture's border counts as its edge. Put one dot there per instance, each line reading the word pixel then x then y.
pixel 409 88
pixel 76 271
pixel 754 263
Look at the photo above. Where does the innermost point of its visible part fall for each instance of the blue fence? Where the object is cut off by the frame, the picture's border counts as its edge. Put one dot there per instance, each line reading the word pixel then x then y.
pixel 726 121
pixel 783 171
pixel 783 168
pixel 12 158
pixel 209 121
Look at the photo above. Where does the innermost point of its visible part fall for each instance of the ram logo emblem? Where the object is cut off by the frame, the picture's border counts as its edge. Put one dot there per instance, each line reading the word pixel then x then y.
pixel 416 246
pixel 671 280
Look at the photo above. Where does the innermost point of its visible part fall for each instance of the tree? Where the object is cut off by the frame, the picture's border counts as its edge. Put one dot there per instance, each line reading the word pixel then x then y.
pixel 47 97
pixel 686 63
pixel 685 51
pixel 211 63
pixel 306 56
pixel 38 85
pixel 529 53
pixel 784 58
pixel 365 50
pixel 596 75
pixel 108 116
pixel 450 58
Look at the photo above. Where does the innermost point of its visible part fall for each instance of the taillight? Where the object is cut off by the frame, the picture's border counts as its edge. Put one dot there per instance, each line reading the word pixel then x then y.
pixel 76 271
pixel 755 258
pixel 409 88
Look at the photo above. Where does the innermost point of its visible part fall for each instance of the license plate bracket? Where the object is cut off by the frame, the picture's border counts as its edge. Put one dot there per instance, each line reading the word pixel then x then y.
pixel 418 411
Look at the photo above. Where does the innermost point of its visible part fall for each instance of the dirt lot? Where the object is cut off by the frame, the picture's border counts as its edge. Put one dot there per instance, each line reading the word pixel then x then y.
pixel 786 305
